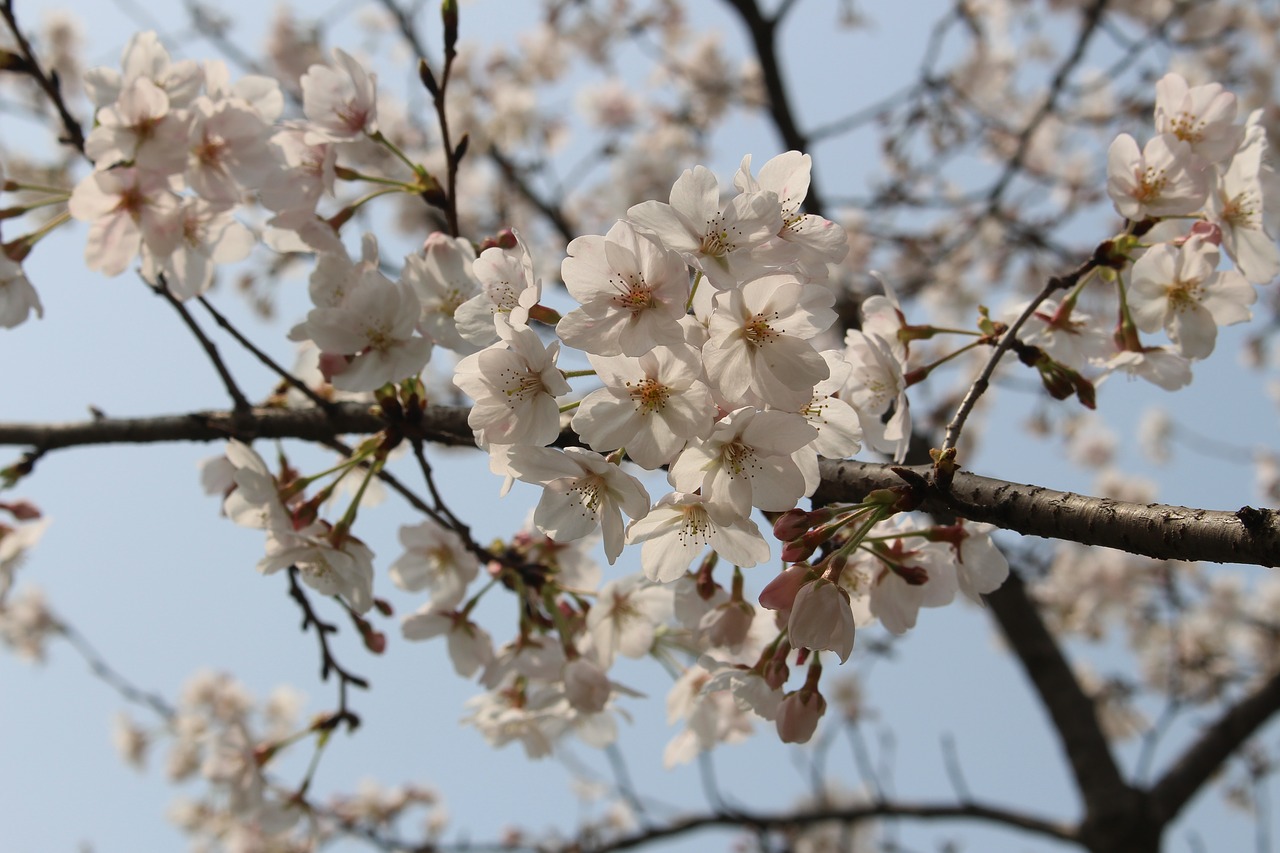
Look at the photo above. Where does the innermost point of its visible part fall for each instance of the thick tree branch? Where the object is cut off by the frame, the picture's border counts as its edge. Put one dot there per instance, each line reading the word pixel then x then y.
pixel 1162 531
pixel 1215 745
pixel 1250 536
pixel 794 820
pixel 1074 718
pixel 764 33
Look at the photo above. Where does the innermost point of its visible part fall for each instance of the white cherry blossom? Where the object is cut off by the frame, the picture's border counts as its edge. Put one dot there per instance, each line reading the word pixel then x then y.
pixel 759 341
pixel 877 389
pixel 340 101
pixel 507 291
pixel 718 241
pixel 125 208
pixel 435 559
pixel 1237 206
pixel 632 293
pixel 1202 116
pixel 514 384
pixel 652 405
pixel 581 492
pixel 17 297
pixel 817 242
pixel 1158 180
pixel 441 276
pixel 680 528
pixel 747 461
pixel 1181 289
pixel 822 619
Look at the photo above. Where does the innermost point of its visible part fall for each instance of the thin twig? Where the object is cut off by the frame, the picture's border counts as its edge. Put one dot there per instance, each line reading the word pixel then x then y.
pixel 328 663
pixel 980 385
pixel 48 83
pixel 239 400
pixel 106 673
pixel 272 364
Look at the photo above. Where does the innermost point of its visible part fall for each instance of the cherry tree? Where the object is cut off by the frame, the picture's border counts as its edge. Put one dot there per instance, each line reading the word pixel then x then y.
pixel 757 400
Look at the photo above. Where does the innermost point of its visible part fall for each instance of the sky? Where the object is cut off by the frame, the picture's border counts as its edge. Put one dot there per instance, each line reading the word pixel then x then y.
pixel 139 561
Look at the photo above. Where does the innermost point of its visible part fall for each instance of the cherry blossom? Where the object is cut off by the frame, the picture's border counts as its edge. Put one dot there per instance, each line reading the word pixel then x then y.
pixel 759 340
pixel 514 384
pixel 877 389
pixel 441 276
pixel 1237 205
pixel 1158 180
pixel 340 101
pixel 624 619
pixel 1202 116
pixel 717 241
pixel 140 129
pixel 145 57
pixel 633 294
pixel 681 526
pixel 1158 365
pixel 228 150
pixel 470 647
pixel 747 461
pixel 435 559
pixel 651 405
pixel 581 492
pixel 344 570
pixel 507 291
pixel 210 236
pixel 1181 289
pixel 818 242
pixel 821 618
pixel 125 208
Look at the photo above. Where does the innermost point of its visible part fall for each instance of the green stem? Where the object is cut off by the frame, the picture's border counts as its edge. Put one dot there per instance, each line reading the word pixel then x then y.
pixel 697 279
pixel 377 137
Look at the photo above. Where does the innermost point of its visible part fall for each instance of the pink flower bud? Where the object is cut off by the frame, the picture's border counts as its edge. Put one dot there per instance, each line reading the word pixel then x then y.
pixel 1210 232
pixel 798 715
pixel 780 593
pixel 22 510
pixel 792 524
pixel 776 672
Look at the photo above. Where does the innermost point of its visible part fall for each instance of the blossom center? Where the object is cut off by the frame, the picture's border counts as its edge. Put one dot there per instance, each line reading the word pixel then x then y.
pixel 739 459
pixel 590 492
pixel 650 395
pixel 634 294
pixel 1151 182
pixel 757 330
pixel 696 529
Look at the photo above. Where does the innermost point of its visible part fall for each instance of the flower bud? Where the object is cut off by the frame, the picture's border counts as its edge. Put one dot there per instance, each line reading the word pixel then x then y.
pixel 798 715
pixel 821 618
pixel 792 524
pixel 780 593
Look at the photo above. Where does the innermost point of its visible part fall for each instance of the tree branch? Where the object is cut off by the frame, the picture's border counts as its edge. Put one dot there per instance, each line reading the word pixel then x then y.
pixel 1216 744
pixel 1075 720
pixel 1162 531
pixel 793 820
pixel 763 37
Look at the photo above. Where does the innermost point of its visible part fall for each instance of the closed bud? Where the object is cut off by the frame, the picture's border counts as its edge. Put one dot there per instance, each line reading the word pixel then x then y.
pixel 798 715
